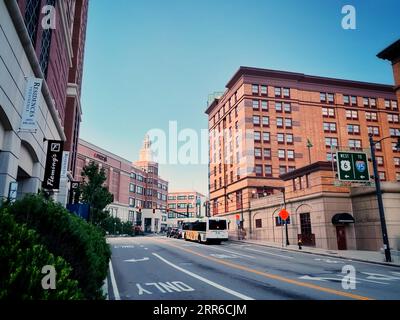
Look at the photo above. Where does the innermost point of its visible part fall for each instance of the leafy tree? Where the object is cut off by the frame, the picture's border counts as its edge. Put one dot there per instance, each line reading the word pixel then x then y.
pixel 94 193
pixel 22 257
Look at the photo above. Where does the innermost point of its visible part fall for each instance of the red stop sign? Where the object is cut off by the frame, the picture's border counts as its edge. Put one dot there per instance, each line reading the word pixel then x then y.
pixel 237 217
pixel 284 214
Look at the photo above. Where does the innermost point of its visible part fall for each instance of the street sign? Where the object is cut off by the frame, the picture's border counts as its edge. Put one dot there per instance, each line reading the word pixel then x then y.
pixel 284 215
pixel 353 166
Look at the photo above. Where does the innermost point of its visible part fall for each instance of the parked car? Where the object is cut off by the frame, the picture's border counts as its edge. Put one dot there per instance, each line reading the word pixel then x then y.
pixel 171 232
pixel 178 233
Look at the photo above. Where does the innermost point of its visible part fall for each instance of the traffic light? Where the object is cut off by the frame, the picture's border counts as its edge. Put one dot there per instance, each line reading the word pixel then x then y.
pixel 154 211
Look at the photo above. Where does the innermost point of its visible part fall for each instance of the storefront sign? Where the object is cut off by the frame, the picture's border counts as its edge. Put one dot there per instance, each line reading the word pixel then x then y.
pixel 54 159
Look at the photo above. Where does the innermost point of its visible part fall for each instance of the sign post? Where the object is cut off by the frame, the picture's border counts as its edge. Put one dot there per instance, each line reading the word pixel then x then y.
pixel 284 215
pixel 353 166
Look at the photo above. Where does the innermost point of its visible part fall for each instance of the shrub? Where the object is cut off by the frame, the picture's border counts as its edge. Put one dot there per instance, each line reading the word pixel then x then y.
pixel 22 258
pixel 81 244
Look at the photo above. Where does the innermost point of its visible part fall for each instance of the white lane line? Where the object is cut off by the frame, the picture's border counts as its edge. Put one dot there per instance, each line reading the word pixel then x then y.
pixel 234 252
pixel 114 283
pixel 272 254
pixel 211 283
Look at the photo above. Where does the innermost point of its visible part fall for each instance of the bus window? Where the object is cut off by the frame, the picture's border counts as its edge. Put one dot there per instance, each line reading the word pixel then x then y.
pixel 217 225
pixel 199 226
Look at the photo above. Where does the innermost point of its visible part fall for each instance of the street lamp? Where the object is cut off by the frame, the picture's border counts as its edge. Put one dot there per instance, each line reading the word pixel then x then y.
pixel 309 146
pixel 379 194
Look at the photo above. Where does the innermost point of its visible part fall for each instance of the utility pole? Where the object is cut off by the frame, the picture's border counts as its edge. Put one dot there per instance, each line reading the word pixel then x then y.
pixel 286 221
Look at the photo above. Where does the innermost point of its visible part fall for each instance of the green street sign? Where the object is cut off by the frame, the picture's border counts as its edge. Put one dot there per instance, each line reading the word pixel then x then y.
pixel 353 166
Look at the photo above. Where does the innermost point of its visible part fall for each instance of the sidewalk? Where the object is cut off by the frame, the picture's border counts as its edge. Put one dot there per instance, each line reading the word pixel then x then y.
pixel 356 255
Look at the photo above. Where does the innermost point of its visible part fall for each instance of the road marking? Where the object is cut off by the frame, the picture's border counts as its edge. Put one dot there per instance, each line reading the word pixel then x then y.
pixel 224 256
pixel 233 252
pixel 164 287
pixel 114 283
pixel 124 247
pixel 211 283
pixel 328 260
pixel 275 277
pixel 272 254
pixel 137 260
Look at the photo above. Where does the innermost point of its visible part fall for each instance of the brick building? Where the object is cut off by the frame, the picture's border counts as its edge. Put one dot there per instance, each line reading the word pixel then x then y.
pixel 55 55
pixel 268 123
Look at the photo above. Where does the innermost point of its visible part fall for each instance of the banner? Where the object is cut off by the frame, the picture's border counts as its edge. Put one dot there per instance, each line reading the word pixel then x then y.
pixel 64 167
pixel 54 159
pixel 31 104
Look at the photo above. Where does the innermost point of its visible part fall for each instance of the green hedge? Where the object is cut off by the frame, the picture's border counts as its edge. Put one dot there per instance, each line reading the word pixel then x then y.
pixel 81 244
pixel 22 258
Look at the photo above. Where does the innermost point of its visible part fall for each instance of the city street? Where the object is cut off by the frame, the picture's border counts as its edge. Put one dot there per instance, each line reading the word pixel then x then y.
pixel 160 268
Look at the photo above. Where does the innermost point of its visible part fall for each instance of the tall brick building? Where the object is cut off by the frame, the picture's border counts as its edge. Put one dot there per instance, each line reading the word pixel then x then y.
pixel 269 123
pixel 55 55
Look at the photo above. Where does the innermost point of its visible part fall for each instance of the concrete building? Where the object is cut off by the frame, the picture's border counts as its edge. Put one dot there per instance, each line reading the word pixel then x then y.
pixel 27 49
pixel 137 187
pixel 191 203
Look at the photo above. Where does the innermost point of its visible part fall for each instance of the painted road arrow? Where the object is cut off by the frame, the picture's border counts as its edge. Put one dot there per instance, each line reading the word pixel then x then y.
pixel 137 260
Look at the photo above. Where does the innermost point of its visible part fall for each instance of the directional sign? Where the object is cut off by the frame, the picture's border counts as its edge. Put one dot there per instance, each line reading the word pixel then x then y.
pixel 353 166
pixel 284 214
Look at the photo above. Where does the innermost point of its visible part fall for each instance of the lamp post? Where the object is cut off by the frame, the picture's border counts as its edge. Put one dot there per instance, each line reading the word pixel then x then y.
pixel 309 146
pixel 385 237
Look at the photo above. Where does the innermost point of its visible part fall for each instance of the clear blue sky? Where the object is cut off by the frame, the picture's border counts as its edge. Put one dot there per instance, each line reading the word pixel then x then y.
pixel 148 62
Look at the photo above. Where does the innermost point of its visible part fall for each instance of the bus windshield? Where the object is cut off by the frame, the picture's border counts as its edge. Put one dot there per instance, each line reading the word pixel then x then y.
pixel 217 224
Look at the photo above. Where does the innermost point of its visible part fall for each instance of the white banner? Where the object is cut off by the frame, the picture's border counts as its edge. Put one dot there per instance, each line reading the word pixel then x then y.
pixel 31 104
pixel 64 166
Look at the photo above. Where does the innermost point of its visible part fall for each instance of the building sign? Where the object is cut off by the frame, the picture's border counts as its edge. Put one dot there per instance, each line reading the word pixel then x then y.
pixel 353 166
pixel 54 159
pixel 31 104
pixel 100 157
pixel 64 167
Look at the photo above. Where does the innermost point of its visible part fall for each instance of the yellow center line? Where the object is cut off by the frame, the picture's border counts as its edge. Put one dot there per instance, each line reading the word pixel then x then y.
pixel 269 275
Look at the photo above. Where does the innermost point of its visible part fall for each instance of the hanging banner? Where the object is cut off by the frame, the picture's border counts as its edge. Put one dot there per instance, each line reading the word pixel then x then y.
pixel 54 160
pixel 64 167
pixel 31 104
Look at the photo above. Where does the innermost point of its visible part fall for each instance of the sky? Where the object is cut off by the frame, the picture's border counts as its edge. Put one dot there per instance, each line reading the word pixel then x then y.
pixel 149 62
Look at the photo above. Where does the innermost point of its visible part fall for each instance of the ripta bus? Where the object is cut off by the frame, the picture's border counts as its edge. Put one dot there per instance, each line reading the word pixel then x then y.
pixel 206 230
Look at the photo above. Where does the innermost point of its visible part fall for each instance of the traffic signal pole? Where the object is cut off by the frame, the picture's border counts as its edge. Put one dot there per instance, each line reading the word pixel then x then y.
pixel 386 246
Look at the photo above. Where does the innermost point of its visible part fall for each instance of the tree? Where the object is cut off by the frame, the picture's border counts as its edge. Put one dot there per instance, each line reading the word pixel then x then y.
pixel 94 193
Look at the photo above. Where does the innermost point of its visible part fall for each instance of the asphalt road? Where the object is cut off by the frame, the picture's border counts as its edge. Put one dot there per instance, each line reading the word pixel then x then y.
pixel 159 268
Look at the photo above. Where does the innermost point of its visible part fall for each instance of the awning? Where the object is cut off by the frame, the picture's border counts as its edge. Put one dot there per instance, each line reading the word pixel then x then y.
pixel 341 218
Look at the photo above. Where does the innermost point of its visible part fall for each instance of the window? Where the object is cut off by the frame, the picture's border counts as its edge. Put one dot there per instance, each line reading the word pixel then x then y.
pixel 398 176
pixel 346 99
pixel 133 176
pixel 353 100
pixel 365 102
pixel 378 146
pixel 281 138
pixel 259 172
pixel 255 105
pixel 394 105
pixel 281 154
pixel 331 97
pixel 174 197
pixel 397 162
pixel 264 105
pixel 286 92
pixel 331 142
pixel 373 130
pixel 352 114
pixel 278 92
pixel 322 97
pixel 394 132
pixel 288 107
pixel 291 168
pixel 353 129
pixel 288 123
pixel 266 137
pixel 278 106
pixel 289 138
pixel 372 102
pixel 181 205
pixel 394 147
pixel 379 161
pixel 371 116
pixel 328 112
pixel 131 202
pixel 329 127
pixel 268 170
pixel 131 187
pixel 254 88
pixel 257 152
pixel 264 89
pixel 172 205
pixel 139 190
pixel 382 176
pixel 181 197
pixel 256 120
pixel 393 118
pixel 191 197
pixel 279 122
pixel 257 136
pixel 265 121
pixel 290 154
pixel 387 104
pixel 258 223
pixel 354 144
pixel 282 170
pixel 267 153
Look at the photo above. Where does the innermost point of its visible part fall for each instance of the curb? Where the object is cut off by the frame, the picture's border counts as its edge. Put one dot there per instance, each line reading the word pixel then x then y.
pixel 320 254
